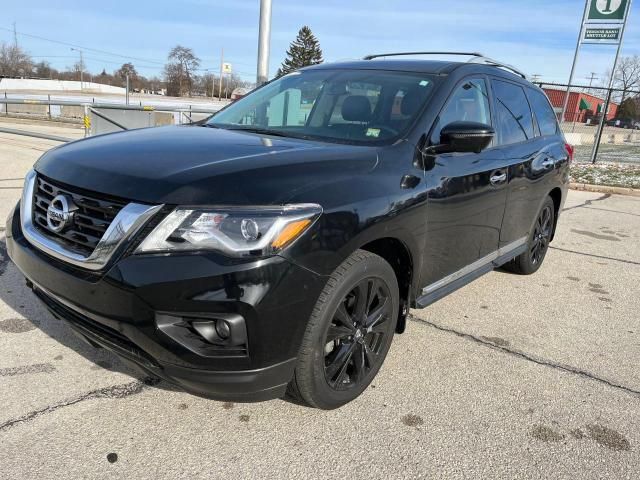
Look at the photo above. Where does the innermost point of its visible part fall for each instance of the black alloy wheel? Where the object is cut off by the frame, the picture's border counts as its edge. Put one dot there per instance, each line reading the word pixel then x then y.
pixel 356 335
pixel 349 333
pixel 531 259
pixel 541 235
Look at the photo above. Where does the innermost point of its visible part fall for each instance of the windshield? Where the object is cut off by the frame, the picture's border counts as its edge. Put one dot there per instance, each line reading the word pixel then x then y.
pixel 351 106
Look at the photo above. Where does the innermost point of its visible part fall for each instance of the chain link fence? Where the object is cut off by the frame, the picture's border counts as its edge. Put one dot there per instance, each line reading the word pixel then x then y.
pixel 619 141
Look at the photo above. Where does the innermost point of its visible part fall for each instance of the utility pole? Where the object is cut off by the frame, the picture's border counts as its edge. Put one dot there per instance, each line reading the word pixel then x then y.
pixel 592 78
pixel 15 36
pixel 535 77
pixel 127 96
pixel 264 40
pixel 81 67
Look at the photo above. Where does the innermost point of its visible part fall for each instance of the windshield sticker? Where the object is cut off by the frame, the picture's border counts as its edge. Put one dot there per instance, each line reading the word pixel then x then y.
pixel 373 132
pixel 424 83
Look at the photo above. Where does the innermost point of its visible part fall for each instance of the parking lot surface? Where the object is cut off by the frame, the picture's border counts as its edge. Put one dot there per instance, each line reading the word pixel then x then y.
pixel 510 377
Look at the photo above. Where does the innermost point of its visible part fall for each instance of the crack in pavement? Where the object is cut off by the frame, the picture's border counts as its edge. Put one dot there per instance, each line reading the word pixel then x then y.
pixel 612 211
pixel 114 391
pixel 26 369
pixel 630 262
pixel 526 356
pixel 588 202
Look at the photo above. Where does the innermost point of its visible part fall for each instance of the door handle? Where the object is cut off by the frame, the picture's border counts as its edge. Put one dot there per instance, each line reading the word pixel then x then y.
pixel 498 178
pixel 548 163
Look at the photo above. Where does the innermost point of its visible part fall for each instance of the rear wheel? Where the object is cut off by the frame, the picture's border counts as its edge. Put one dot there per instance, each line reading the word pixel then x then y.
pixel 531 259
pixel 349 333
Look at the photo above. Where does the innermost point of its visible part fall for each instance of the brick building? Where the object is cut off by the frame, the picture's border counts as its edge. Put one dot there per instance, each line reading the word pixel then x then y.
pixel 581 106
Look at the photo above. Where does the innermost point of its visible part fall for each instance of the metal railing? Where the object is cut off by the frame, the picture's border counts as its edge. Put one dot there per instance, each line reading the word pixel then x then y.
pixel 617 142
pixel 82 111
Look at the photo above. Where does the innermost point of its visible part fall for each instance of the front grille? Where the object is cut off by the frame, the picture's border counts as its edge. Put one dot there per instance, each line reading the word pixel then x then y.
pixel 90 221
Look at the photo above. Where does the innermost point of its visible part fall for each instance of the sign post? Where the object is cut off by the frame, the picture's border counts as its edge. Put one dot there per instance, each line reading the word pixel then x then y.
pixel 610 11
pixel 575 61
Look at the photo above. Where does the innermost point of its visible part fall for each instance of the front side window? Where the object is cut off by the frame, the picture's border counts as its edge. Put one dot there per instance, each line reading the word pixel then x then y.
pixel 514 118
pixel 349 106
pixel 468 103
pixel 544 113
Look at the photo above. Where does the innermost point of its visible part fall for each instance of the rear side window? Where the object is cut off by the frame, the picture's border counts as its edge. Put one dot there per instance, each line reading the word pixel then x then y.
pixel 514 122
pixel 544 113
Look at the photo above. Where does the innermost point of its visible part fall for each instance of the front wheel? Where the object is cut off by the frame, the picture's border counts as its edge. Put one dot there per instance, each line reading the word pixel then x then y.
pixel 349 333
pixel 531 259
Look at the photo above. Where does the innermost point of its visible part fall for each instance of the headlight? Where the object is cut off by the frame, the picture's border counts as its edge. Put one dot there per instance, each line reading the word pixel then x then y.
pixel 234 231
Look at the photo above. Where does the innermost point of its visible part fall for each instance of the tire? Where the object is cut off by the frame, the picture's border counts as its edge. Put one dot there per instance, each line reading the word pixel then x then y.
pixel 338 359
pixel 530 261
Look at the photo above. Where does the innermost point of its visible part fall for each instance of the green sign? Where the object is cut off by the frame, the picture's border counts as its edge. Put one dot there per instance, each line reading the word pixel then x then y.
pixel 600 35
pixel 607 10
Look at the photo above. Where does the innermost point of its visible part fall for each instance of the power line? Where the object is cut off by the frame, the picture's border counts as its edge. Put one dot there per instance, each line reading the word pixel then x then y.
pixel 159 67
pixel 104 52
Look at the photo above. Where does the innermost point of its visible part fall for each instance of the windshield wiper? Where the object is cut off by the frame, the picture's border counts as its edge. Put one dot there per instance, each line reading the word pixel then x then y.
pixel 263 131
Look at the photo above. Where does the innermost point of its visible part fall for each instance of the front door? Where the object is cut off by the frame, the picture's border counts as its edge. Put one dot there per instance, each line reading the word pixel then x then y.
pixel 466 195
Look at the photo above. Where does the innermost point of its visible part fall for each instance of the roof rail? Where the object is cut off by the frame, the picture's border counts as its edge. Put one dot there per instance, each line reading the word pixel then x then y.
pixel 476 58
pixel 399 54
pixel 495 63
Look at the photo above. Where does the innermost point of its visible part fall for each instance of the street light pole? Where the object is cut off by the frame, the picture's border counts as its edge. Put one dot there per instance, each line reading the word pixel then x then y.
pixel 264 39
pixel 81 67
pixel 221 73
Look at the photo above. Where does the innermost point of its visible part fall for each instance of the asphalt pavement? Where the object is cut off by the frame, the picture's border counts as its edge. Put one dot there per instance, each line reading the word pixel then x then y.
pixel 510 377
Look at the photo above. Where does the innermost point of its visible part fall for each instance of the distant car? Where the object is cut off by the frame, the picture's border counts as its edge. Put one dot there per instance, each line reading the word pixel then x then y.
pixel 624 123
pixel 278 246
pixel 238 93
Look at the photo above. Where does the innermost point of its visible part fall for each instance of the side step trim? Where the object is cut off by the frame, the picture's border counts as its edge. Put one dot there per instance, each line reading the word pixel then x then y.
pixel 466 275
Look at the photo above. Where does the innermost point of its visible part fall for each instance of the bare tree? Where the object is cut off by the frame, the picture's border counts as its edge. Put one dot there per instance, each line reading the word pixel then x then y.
pixel 44 70
pixel 626 78
pixel 180 69
pixel 14 62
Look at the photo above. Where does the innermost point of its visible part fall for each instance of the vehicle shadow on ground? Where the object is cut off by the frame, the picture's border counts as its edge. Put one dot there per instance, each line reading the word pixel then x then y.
pixel 32 314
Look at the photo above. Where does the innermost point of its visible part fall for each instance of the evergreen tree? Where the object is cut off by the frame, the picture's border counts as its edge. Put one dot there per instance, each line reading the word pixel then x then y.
pixel 303 51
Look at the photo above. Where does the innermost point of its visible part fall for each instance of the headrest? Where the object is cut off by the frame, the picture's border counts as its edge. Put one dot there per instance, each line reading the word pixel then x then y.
pixel 356 108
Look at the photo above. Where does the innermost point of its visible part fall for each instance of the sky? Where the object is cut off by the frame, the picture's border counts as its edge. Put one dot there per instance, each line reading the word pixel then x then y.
pixel 537 36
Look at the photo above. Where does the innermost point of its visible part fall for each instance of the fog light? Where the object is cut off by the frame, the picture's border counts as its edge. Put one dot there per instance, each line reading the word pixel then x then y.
pixel 222 329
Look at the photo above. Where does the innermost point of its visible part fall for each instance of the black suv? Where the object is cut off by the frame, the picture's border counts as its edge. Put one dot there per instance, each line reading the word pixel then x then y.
pixel 278 245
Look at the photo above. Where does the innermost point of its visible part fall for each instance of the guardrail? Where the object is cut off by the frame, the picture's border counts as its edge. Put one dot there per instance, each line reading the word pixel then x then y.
pixel 27 133
pixel 187 111
pixel 116 106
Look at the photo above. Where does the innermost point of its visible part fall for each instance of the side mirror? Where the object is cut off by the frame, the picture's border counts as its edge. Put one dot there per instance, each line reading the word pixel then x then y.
pixel 466 137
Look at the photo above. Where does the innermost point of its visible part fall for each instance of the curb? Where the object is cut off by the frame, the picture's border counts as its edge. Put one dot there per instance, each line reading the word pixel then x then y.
pixel 585 187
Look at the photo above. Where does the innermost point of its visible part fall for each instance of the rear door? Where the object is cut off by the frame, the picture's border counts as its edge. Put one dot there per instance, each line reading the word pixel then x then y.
pixel 467 194
pixel 530 159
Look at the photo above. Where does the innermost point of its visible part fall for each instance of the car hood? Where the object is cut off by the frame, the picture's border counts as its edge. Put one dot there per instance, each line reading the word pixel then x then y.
pixel 202 165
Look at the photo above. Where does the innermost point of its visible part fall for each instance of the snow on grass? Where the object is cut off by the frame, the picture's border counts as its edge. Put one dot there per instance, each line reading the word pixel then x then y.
pixel 610 174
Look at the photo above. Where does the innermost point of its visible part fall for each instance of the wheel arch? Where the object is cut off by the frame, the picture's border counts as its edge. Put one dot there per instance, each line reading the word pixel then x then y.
pixel 556 196
pixel 399 256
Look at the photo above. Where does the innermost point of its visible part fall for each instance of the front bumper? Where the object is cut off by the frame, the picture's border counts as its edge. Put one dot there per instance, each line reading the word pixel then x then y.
pixel 117 310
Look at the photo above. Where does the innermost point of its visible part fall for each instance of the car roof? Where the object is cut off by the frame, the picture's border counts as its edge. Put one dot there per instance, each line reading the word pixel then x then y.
pixel 433 67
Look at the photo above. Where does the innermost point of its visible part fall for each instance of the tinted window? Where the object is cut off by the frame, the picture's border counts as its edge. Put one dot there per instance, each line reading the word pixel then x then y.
pixel 515 123
pixel 544 113
pixel 469 102
pixel 347 106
